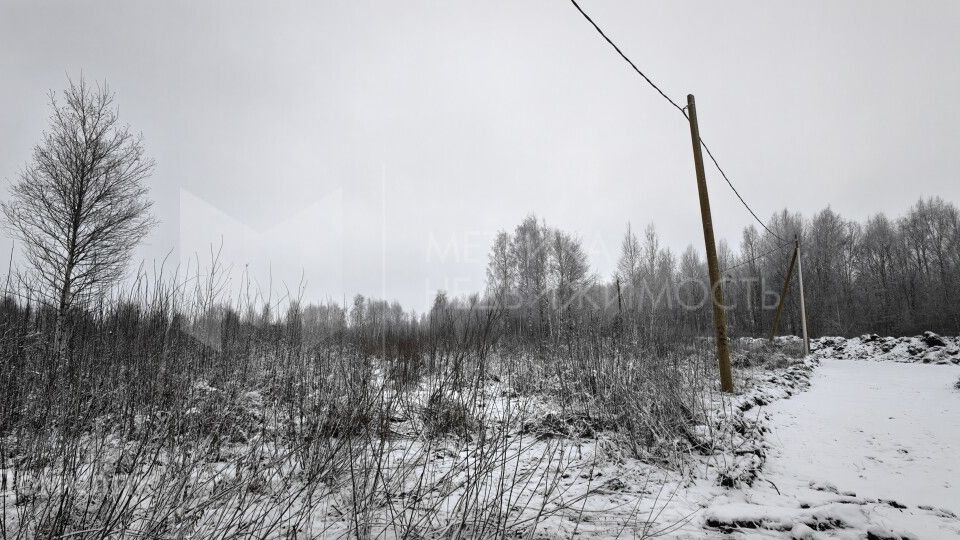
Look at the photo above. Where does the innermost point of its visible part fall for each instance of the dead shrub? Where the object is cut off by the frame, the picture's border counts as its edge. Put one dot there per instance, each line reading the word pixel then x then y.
pixel 444 415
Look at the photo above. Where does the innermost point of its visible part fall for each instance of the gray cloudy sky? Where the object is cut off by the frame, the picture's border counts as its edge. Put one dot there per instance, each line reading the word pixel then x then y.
pixel 377 146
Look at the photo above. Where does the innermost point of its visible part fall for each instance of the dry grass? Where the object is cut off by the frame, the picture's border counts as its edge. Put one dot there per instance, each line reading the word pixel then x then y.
pixel 159 420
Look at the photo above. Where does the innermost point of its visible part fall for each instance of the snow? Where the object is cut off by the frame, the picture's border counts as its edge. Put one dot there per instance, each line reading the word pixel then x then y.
pixel 839 445
pixel 870 447
pixel 928 348
pixel 879 428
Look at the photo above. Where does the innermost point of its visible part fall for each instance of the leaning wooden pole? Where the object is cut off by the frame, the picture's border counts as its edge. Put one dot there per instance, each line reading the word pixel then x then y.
pixel 719 315
pixel 803 303
pixel 783 295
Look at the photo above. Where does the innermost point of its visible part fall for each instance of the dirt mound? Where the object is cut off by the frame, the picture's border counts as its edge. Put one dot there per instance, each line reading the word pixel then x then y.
pixel 927 348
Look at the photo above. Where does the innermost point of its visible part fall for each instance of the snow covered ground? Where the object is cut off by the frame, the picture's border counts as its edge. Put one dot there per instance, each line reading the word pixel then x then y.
pixel 870 450
pixel 884 429
pixel 838 445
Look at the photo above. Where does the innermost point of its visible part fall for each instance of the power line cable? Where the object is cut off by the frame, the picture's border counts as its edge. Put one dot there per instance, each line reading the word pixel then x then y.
pixel 758 257
pixel 682 111
pixel 737 193
pixel 634 66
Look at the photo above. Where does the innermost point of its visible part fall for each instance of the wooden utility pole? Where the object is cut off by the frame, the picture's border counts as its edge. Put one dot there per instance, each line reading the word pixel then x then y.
pixel 719 315
pixel 783 294
pixel 803 304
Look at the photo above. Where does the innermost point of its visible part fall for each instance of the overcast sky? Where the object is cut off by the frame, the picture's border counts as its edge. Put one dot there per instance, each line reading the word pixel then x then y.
pixel 375 147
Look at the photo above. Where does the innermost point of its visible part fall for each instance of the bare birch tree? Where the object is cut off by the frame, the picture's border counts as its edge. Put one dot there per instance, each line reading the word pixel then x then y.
pixel 500 270
pixel 81 206
pixel 569 269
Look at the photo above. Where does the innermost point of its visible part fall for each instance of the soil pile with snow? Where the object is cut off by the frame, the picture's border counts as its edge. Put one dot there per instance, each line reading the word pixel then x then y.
pixel 928 348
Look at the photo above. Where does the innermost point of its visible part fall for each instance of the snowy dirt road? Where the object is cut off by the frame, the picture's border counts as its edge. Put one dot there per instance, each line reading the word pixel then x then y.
pixel 871 447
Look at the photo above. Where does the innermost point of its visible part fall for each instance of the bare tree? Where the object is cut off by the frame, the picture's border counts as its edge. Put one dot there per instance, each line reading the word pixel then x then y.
pixel 530 250
pixel 500 270
pixel 628 267
pixel 81 206
pixel 568 266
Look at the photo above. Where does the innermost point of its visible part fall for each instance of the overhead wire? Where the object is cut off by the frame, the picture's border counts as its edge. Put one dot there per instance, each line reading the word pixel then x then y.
pixel 682 110
pixel 624 56
pixel 758 257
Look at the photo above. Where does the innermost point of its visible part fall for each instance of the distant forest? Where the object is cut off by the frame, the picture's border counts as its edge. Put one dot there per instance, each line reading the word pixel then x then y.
pixel 891 276
pixel 886 276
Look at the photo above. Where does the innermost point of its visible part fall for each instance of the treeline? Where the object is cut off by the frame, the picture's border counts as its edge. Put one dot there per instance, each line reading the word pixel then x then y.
pixel 886 276
pixel 889 276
